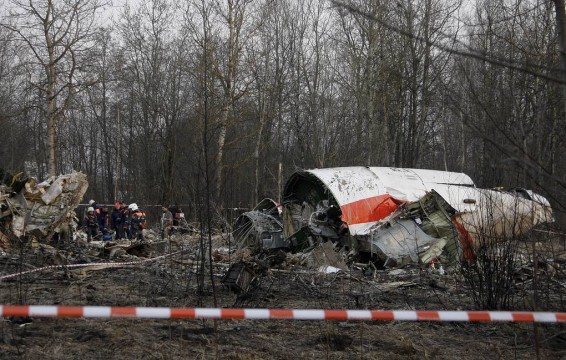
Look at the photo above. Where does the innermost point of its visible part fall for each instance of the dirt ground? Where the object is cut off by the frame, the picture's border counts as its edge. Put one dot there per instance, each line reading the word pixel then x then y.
pixel 174 281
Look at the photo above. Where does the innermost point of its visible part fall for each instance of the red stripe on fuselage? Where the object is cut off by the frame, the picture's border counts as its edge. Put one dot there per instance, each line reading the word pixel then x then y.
pixel 466 240
pixel 370 209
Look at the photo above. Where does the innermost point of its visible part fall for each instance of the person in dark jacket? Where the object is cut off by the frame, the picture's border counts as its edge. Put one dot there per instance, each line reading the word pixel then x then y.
pixel 90 223
pixel 138 223
pixel 126 221
pixel 103 218
pixel 117 221
pixel 173 209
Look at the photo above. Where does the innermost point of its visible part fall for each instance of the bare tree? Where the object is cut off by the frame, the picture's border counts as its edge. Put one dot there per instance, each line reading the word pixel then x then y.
pixel 270 54
pixel 15 147
pixel 362 43
pixel 226 69
pixel 57 33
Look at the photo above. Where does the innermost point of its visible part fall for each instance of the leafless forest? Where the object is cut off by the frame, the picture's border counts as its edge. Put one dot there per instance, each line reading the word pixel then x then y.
pixel 176 101
pixel 212 104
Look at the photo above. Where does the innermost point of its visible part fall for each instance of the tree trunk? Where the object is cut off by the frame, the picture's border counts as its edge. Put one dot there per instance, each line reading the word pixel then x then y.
pixel 221 142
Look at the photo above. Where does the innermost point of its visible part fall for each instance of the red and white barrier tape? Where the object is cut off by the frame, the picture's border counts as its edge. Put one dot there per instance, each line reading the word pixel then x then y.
pixel 71 266
pixel 277 314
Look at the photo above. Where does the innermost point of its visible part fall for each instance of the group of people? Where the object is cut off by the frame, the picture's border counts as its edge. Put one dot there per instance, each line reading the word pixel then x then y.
pixel 127 221
pixel 172 218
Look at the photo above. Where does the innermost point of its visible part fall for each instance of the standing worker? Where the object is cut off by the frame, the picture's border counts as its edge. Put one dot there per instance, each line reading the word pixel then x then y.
pixel 166 223
pixel 126 221
pixel 103 218
pixel 117 220
pixel 173 210
pixel 94 205
pixel 137 217
pixel 90 223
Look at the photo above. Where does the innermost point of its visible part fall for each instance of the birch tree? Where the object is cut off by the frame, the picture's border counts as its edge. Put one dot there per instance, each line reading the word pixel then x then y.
pixel 226 67
pixel 57 33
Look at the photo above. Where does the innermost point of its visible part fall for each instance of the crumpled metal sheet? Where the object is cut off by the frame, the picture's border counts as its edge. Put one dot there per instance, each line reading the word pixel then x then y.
pixel 400 240
pixel 372 201
pixel 40 209
pixel 260 230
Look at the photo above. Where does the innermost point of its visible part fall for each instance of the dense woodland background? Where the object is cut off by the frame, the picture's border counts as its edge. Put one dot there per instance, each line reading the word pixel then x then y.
pixel 210 101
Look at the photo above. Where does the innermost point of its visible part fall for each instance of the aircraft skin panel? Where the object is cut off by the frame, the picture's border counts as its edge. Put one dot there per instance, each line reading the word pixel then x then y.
pixel 350 184
pixel 370 209
pixel 367 195
pixel 444 205
pixel 390 176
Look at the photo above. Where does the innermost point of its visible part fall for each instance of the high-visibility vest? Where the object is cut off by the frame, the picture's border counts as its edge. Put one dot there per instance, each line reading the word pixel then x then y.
pixel 138 217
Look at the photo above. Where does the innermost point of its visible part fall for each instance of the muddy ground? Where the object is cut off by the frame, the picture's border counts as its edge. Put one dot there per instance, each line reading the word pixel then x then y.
pixel 173 281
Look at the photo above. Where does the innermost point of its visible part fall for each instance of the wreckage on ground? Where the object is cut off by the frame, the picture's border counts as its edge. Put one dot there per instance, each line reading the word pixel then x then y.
pixel 38 209
pixel 393 216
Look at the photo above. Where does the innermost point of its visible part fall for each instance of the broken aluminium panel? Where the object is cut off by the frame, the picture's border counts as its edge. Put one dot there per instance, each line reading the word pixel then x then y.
pixel 371 202
pixel 40 209
pixel 397 215
pixel 445 209
pixel 260 228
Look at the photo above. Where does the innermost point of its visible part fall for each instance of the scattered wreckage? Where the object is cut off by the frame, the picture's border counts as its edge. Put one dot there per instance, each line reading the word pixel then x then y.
pixel 384 216
pixel 38 209
pixel 389 216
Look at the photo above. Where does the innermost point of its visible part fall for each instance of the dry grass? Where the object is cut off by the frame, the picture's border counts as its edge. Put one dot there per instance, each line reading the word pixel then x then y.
pixel 174 283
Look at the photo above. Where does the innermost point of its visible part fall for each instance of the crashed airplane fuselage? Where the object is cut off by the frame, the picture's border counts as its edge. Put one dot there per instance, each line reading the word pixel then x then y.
pixel 395 214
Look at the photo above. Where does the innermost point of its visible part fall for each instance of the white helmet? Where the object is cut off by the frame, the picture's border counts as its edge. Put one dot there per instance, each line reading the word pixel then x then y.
pixel 90 209
pixel 133 206
pixel 91 202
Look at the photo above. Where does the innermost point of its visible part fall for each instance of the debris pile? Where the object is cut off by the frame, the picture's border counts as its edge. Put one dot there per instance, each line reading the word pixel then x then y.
pixel 329 222
pixel 38 209
pixel 389 216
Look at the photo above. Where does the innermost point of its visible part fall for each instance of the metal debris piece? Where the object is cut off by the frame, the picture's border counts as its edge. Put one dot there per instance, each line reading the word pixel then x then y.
pixel 325 255
pixel 260 228
pixel 239 277
pixel 41 209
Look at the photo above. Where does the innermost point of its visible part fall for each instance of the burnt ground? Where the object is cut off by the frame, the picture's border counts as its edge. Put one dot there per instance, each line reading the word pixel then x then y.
pixel 173 281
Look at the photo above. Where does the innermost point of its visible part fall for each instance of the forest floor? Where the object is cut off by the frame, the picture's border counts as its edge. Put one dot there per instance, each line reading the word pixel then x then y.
pixel 172 282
